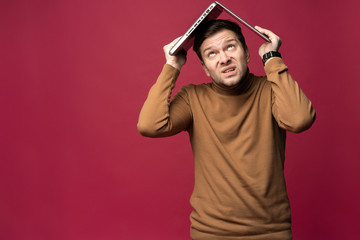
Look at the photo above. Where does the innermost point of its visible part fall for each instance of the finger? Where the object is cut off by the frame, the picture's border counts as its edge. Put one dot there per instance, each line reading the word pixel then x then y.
pixel 174 41
pixel 272 36
pixel 170 45
pixel 266 32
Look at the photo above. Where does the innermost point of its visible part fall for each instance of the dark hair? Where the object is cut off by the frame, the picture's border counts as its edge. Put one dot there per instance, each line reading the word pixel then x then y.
pixel 211 27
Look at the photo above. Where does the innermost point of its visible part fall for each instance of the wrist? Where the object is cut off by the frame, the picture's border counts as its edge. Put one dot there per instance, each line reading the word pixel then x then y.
pixel 269 55
pixel 175 65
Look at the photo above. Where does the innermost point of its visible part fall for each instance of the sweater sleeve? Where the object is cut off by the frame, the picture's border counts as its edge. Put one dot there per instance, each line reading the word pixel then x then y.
pixel 159 117
pixel 292 110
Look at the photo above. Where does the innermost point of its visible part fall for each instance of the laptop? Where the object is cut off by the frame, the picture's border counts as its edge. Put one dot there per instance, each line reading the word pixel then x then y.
pixel 211 13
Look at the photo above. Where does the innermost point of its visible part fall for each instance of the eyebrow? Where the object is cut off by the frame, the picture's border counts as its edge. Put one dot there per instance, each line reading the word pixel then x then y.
pixel 226 41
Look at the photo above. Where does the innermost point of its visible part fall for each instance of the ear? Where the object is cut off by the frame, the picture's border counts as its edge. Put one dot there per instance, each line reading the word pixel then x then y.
pixel 205 69
pixel 247 52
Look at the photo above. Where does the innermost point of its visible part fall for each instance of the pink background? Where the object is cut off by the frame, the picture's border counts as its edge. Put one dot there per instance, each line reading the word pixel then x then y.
pixel 74 75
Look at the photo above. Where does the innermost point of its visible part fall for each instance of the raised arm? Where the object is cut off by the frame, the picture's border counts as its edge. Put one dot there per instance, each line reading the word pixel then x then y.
pixel 159 117
pixel 292 110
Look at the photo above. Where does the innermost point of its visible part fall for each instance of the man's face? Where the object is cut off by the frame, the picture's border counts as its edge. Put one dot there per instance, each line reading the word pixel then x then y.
pixel 224 58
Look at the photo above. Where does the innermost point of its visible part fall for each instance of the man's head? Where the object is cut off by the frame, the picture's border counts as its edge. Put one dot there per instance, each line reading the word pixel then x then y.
pixel 222 50
pixel 211 27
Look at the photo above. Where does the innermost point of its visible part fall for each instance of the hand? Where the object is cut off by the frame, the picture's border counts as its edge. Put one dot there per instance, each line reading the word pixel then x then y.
pixel 274 45
pixel 177 61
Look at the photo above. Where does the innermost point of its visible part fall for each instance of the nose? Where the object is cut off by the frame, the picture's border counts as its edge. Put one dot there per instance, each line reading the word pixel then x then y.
pixel 224 58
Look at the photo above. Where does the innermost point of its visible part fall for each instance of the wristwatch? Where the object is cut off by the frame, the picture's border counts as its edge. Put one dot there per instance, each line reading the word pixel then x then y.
pixel 269 55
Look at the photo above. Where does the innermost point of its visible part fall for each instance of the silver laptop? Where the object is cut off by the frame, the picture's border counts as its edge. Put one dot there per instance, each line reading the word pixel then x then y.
pixel 212 12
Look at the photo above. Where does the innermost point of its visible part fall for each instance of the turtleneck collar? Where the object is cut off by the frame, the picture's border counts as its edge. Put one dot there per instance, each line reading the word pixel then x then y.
pixel 242 87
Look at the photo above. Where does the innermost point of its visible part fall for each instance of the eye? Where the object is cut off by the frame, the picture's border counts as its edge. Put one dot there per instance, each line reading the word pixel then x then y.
pixel 230 47
pixel 211 54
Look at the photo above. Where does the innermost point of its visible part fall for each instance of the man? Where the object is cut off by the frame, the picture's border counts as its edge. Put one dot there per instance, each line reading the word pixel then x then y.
pixel 237 126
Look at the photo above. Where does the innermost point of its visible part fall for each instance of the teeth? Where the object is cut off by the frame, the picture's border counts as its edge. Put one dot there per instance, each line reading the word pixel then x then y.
pixel 229 70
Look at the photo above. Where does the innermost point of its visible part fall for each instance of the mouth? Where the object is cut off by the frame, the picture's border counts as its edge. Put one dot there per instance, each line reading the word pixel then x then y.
pixel 229 70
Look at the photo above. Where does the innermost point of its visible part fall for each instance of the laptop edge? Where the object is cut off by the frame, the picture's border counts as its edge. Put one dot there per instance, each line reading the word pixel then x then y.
pixel 212 12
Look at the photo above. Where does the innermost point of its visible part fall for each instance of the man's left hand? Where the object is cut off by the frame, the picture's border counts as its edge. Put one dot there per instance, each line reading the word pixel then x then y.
pixel 274 45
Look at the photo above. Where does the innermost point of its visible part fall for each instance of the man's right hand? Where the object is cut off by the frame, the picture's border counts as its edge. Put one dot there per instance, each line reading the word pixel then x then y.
pixel 176 61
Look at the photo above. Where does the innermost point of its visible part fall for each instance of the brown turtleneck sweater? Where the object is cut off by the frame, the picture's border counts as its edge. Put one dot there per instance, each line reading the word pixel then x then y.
pixel 238 142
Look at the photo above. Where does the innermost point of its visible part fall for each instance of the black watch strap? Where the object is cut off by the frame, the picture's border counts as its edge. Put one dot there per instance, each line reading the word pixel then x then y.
pixel 269 55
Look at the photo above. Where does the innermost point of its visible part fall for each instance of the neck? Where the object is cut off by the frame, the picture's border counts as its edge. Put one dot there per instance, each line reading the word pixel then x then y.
pixel 237 89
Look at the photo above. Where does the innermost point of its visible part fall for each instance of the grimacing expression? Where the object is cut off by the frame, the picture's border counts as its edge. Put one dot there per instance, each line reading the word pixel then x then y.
pixel 224 58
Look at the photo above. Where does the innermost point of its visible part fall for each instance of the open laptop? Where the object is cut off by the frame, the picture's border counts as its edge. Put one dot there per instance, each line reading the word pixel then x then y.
pixel 211 13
